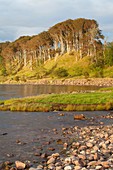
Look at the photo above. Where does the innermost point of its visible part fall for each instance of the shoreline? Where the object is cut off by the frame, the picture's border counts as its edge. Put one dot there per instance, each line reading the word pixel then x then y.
pixel 68 143
pixel 78 82
pixel 91 149
pixel 98 100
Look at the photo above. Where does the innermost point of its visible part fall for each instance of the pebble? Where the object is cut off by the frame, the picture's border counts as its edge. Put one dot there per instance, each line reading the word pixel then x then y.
pixel 92 150
pixel 59 168
pixel 68 168
pixel 51 160
pixel 89 148
pixel 32 168
pixel 20 165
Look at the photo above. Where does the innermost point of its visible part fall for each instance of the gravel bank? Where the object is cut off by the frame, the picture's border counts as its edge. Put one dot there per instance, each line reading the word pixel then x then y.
pixel 91 148
pixel 86 148
pixel 78 82
pixel 84 82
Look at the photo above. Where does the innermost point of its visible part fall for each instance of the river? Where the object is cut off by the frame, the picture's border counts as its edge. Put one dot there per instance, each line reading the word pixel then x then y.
pixel 14 91
pixel 23 134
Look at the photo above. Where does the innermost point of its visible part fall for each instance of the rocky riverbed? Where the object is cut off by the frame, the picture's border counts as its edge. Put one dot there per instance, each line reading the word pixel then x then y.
pixel 81 148
pixel 77 82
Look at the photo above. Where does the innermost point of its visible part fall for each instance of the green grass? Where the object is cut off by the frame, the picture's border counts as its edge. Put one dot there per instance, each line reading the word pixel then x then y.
pixel 68 62
pixel 81 98
pixel 106 89
pixel 108 72
pixel 68 102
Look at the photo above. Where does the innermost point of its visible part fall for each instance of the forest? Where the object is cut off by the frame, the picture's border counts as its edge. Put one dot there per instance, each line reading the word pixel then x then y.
pixel 80 38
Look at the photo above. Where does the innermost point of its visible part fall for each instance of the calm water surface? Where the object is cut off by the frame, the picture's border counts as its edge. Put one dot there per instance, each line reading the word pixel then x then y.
pixel 13 91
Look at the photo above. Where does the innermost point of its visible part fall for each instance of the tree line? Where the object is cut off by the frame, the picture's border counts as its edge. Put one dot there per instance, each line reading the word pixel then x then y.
pixel 80 35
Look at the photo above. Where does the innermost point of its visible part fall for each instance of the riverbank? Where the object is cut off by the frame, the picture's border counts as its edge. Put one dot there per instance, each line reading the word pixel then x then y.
pixel 78 82
pixel 98 100
pixel 90 147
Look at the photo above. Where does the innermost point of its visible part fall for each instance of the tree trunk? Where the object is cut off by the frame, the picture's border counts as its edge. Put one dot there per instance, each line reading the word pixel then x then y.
pixel 55 45
pixel 40 53
pixel 68 46
pixel 31 62
pixel 62 45
pixel 48 53
pixel 25 58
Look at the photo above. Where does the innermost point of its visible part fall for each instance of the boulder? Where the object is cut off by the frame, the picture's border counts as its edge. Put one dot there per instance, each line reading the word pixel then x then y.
pixel 79 117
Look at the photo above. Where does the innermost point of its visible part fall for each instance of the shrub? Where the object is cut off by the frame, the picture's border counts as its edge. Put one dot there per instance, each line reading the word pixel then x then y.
pixel 98 72
pixel 86 74
pixel 3 71
pixel 17 78
pixel 23 78
pixel 1 102
pixel 61 72
pixel 77 71
pixel 2 67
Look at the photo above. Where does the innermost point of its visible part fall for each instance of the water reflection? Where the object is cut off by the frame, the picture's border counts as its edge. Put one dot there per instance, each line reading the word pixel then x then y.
pixel 14 91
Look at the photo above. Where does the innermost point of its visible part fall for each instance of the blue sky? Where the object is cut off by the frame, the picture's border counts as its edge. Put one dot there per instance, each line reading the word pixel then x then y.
pixel 30 17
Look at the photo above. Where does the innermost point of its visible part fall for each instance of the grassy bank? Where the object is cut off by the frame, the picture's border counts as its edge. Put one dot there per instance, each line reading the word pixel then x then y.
pixel 100 100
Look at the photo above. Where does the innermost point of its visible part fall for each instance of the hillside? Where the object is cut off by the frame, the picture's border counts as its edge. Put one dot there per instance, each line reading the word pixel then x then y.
pixel 70 49
pixel 64 67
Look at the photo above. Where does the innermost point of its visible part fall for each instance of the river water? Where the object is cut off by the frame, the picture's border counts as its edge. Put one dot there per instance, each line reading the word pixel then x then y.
pixel 14 91
pixel 23 134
